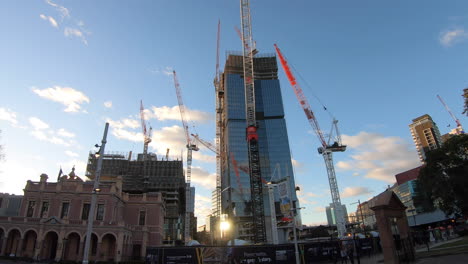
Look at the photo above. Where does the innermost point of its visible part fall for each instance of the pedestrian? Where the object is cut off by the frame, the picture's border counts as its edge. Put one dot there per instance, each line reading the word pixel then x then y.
pixel 350 253
pixel 344 256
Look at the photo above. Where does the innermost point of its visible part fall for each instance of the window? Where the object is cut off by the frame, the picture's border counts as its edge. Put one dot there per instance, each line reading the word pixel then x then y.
pixel 44 209
pixel 100 212
pixel 85 211
pixel 142 218
pixel 65 207
pixel 31 206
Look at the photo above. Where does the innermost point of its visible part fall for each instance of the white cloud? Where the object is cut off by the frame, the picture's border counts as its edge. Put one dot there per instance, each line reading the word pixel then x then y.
pixel 451 37
pixel 378 157
pixel 202 208
pixel 124 123
pixel 37 123
pixel 64 133
pixel 67 96
pixel 203 178
pixel 8 115
pixel 71 154
pixel 61 9
pixel 51 20
pixel 172 113
pixel 127 135
pixel 168 71
pixel 355 191
pixel 74 32
pixel 41 130
pixel 108 104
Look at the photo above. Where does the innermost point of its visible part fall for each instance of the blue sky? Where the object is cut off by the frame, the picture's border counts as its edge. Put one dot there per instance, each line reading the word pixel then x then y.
pixel 68 66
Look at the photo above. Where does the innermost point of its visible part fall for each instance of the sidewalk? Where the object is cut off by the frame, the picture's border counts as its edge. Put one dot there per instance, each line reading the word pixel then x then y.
pixel 432 245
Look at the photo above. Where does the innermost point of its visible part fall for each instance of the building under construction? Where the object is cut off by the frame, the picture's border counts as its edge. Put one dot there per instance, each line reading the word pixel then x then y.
pixel 275 158
pixel 145 174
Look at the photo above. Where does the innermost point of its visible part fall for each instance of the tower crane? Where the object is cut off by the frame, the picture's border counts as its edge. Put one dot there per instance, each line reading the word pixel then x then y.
pixel 146 133
pixel 258 214
pixel 459 126
pixel 219 106
pixel 190 147
pixel 327 146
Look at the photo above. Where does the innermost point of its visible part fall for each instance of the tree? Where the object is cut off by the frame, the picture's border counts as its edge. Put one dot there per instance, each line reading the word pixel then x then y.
pixel 444 177
pixel 465 95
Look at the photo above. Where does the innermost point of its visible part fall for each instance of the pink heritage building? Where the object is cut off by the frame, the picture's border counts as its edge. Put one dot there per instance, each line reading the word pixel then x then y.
pixel 53 218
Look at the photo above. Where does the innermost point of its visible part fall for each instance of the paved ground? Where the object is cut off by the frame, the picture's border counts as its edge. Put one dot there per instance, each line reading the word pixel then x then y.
pixel 451 259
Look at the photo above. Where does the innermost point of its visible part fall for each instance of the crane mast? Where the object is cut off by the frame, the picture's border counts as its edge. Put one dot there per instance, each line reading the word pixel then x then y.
pixel 219 103
pixel 146 133
pixel 258 215
pixel 190 147
pixel 327 147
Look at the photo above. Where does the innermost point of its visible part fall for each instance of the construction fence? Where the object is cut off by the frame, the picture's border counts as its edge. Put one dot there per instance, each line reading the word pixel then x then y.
pixel 314 252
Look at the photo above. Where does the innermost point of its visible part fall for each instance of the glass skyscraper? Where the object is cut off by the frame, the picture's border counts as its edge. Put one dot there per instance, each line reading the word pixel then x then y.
pixel 275 157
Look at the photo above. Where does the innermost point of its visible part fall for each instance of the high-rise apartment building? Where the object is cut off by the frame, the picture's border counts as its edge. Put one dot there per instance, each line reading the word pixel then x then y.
pixel 275 158
pixel 426 135
pixel 331 217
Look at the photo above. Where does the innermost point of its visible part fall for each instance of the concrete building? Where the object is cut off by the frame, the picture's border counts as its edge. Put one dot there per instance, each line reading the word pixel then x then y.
pixel 275 158
pixel 426 135
pixel 53 216
pixel 151 175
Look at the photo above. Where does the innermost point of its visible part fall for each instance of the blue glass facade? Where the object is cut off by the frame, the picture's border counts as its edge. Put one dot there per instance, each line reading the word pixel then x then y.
pixel 274 149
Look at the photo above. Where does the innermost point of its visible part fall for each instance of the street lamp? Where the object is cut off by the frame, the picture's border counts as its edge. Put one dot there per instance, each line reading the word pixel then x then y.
pixel 362 216
pixel 94 193
pixel 296 249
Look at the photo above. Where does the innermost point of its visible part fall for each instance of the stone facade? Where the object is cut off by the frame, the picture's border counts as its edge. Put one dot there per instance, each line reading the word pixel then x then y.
pixel 53 216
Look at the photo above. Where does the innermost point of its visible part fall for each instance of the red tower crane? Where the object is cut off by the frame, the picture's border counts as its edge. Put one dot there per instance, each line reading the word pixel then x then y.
pixel 258 214
pixel 327 147
pixel 190 147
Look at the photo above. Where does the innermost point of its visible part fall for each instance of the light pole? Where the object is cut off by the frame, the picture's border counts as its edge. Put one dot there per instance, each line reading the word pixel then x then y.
pixel 96 189
pixel 362 216
pixel 296 248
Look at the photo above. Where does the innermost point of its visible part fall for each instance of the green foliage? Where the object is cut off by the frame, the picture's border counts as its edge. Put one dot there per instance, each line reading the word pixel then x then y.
pixel 445 176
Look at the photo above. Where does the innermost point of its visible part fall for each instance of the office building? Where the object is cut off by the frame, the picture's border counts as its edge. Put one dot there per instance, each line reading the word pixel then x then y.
pixel 275 158
pixel 426 135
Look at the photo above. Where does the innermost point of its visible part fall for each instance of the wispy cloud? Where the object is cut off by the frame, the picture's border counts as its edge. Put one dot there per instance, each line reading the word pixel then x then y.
pixel 355 191
pixel 64 133
pixel 67 96
pixel 172 113
pixel 124 123
pixel 75 32
pixel 378 157
pixel 202 208
pixel 71 154
pixel 8 115
pixel 450 37
pixel 305 198
pixel 51 20
pixel 168 71
pixel 108 104
pixel 64 12
pixel 203 178
pixel 41 130
pixel 73 29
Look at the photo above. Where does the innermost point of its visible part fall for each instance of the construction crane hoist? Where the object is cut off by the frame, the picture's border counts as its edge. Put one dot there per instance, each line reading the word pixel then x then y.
pixel 328 146
pixel 190 147
pixel 258 215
